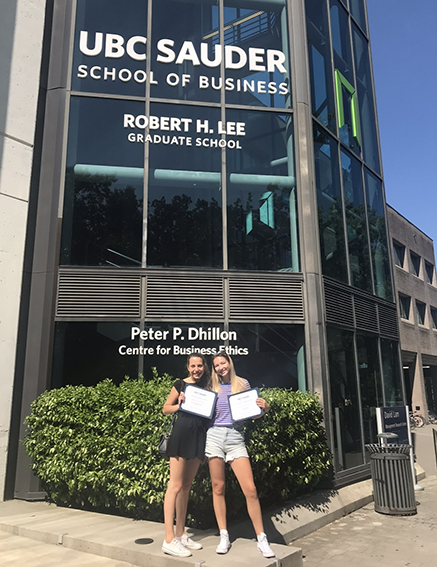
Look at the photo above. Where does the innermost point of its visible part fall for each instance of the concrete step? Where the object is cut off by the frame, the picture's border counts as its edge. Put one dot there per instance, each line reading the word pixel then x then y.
pixel 123 539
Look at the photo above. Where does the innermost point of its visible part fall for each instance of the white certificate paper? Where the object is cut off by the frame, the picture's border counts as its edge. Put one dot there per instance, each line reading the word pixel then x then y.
pixel 199 401
pixel 243 405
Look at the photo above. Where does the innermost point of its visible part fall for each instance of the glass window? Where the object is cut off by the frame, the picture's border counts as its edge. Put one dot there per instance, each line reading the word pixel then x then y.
pixel 103 201
pixel 358 12
pixel 358 245
pixel 415 264
pixel 87 353
pixel 434 317
pixel 322 94
pixel 429 269
pixel 348 446
pixel 399 254
pixel 184 200
pixel 391 370
pixel 341 40
pixel 370 383
pixel 330 207
pixel 256 53
pixel 186 54
pixel 110 47
pixel 275 355
pixel 404 305
pixel 262 224
pixel 369 139
pixel 169 353
pixel 265 80
pixel 378 236
pixel 420 312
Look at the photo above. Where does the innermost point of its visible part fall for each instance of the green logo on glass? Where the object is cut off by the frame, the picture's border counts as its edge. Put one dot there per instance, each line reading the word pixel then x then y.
pixel 340 82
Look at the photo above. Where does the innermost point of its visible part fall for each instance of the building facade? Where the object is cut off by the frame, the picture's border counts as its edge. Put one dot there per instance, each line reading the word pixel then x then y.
pixel 208 176
pixel 415 284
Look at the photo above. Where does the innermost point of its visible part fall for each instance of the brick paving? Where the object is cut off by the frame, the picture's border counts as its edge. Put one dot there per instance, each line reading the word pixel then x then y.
pixel 368 539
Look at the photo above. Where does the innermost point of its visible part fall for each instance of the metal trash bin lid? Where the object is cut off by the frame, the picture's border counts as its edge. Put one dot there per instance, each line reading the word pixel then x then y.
pixel 392 448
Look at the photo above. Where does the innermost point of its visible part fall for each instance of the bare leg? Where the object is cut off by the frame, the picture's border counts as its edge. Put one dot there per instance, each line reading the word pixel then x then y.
pixel 177 467
pixel 190 470
pixel 217 472
pixel 243 471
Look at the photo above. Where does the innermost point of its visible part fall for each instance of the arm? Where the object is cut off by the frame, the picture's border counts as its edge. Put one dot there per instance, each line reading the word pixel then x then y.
pixel 173 402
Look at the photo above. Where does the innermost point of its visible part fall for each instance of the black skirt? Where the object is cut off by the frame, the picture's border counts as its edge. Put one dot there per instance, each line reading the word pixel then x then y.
pixel 188 437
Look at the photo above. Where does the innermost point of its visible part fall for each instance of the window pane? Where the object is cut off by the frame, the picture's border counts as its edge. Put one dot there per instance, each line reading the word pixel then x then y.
pixel 429 268
pixel 370 383
pixel 169 354
pixel 184 200
pixel 415 264
pixel 366 104
pixel 357 11
pixel 262 225
pixel 378 236
pixel 257 36
pixel 330 208
pixel 358 244
pixel 103 202
pixel 322 94
pixel 185 55
pixel 344 396
pixel 434 317
pixel 105 61
pixel 341 40
pixel 276 355
pixel 391 373
pixel 420 312
pixel 87 353
pixel 399 254
pixel 404 304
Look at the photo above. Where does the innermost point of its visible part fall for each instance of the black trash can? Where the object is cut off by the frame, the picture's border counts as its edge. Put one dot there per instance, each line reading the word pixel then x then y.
pixel 393 487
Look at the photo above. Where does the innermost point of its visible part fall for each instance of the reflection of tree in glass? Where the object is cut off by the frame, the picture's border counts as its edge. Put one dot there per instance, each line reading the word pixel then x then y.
pixel 332 239
pixel 358 245
pixel 259 246
pixel 183 234
pixel 380 257
pixel 105 218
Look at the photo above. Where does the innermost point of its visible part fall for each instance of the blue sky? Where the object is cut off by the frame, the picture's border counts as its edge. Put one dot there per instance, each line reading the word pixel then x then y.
pixel 404 50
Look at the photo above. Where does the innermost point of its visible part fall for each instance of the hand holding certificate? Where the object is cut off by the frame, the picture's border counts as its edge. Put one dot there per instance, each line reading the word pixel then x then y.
pixel 199 401
pixel 244 406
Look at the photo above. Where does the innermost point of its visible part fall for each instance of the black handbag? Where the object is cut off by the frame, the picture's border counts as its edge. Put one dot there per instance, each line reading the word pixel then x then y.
pixel 163 440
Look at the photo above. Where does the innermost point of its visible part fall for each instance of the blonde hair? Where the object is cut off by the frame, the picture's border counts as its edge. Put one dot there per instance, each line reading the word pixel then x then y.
pixel 238 384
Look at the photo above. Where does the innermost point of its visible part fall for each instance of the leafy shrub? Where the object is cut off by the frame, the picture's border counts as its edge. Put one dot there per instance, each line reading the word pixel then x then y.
pixel 96 448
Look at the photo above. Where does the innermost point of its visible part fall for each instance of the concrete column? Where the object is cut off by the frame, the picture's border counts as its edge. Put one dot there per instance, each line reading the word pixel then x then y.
pixel 21 36
pixel 316 365
pixel 419 392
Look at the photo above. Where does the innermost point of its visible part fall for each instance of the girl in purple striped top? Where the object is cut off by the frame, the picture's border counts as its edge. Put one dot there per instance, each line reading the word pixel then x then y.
pixel 225 444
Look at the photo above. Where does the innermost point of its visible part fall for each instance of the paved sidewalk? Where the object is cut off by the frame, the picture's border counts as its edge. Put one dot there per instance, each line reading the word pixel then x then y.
pixel 368 539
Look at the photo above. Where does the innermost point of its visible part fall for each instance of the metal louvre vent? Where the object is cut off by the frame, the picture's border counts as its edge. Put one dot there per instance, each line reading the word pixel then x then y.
pixel 184 296
pixel 366 316
pixel 261 299
pixel 388 321
pixel 339 306
pixel 93 294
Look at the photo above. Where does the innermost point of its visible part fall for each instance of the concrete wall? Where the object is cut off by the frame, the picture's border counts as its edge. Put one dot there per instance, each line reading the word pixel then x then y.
pixel 21 34
pixel 418 342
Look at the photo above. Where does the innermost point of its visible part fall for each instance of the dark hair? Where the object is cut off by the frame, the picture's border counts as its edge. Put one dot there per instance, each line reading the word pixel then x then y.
pixel 205 381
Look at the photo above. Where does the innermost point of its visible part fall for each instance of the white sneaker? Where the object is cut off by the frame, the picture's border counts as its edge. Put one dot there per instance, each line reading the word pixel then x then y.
pixel 176 548
pixel 263 545
pixel 189 543
pixel 224 545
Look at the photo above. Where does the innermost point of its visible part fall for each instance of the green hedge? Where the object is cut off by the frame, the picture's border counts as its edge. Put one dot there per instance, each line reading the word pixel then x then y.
pixel 95 448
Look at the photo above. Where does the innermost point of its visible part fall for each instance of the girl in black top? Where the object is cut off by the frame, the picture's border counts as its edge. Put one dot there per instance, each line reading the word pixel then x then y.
pixel 186 449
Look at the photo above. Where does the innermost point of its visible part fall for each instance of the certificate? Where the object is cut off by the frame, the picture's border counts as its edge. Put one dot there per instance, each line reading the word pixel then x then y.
pixel 243 405
pixel 199 401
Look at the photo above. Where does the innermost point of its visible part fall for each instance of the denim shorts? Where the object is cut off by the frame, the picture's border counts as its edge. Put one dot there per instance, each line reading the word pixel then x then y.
pixel 226 443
